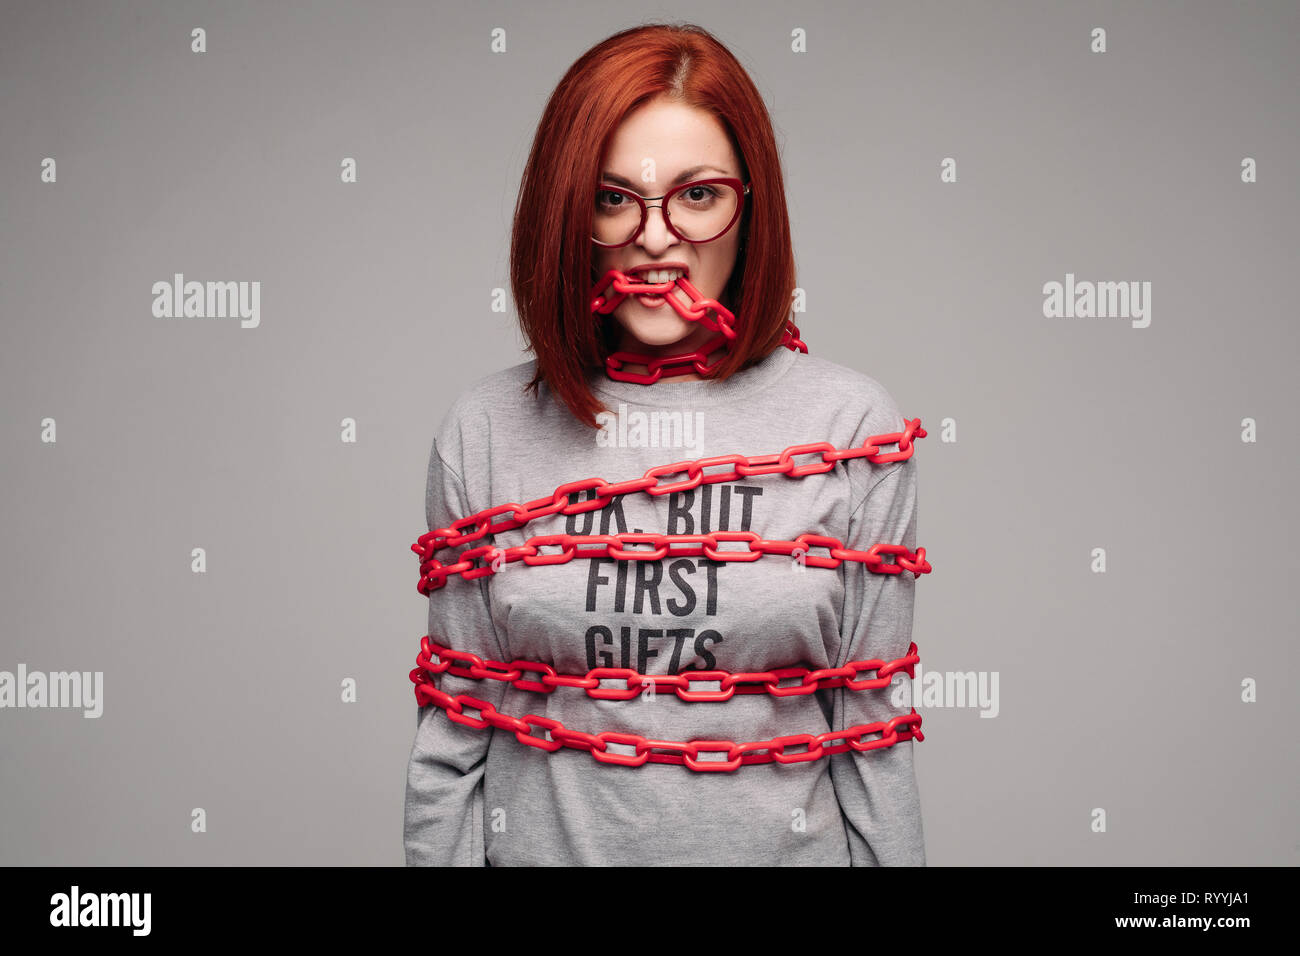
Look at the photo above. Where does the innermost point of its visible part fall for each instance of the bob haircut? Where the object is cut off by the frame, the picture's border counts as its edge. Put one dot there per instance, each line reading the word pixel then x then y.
pixel 552 258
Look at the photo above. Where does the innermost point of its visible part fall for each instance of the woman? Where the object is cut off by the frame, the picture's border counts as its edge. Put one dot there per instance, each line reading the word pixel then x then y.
pixel 663 126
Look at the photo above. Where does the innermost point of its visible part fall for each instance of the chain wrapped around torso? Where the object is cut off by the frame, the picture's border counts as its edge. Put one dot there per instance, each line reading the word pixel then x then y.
pixel 654 547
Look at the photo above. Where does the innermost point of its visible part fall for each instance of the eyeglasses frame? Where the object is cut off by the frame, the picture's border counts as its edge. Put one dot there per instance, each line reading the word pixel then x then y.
pixel 741 187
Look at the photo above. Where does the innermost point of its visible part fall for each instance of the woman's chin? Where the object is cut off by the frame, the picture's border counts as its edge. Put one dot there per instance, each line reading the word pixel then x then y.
pixel 656 332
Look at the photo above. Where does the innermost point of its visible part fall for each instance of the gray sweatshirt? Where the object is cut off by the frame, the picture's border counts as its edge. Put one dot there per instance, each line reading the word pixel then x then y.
pixel 480 797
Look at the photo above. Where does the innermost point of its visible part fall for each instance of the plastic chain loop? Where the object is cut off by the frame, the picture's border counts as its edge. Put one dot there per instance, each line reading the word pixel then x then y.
pixel 618 287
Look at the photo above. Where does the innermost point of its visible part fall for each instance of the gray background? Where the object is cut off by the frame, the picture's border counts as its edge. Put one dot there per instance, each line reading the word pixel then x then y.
pixel 222 689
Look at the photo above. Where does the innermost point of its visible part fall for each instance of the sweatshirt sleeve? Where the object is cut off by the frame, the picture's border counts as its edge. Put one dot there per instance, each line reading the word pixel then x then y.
pixel 876 789
pixel 444 811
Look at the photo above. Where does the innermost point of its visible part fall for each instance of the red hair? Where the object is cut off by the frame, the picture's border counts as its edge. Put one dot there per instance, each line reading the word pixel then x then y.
pixel 552 256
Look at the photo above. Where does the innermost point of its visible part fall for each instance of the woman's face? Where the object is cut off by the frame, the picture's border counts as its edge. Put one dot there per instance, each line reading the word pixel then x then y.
pixel 678 143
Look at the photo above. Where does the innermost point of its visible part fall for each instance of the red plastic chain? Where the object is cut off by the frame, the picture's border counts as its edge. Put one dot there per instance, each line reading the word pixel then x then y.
pixel 759 751
pixel 740 682
pixel 455 534
pixel 434 573
pixel 697 311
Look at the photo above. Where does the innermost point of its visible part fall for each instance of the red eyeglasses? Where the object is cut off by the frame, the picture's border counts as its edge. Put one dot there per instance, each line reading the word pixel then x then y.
pixel 699 211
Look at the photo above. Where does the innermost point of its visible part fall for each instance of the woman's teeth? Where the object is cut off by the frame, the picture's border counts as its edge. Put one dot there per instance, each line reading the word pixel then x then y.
pixel 656 276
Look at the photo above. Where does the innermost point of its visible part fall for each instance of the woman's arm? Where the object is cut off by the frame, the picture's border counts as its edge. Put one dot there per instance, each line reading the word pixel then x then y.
pixel 877 789
pixel 444 815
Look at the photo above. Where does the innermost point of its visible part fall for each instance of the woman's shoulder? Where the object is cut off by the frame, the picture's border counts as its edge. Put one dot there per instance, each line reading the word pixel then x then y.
pixel 490 395
pixel 863 409
pixel 466 424
pixel 860 396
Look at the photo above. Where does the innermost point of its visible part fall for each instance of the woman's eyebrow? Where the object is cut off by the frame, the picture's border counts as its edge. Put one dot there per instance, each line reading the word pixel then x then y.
pixel 685 176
